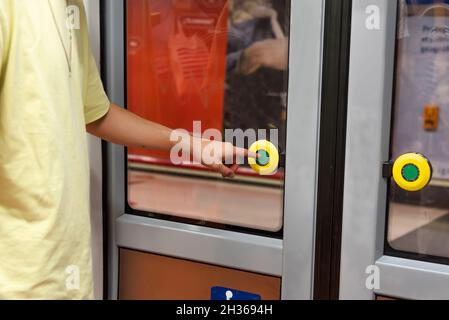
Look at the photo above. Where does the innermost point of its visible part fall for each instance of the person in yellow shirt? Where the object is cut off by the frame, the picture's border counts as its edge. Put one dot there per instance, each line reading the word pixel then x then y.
pixel 50 95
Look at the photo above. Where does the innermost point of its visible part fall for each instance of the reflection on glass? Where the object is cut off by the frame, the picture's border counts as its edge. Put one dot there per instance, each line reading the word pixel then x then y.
pixel 221 63
pixel 419 221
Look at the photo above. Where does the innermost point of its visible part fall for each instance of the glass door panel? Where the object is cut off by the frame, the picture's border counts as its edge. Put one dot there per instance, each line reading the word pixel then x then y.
pixel 212 68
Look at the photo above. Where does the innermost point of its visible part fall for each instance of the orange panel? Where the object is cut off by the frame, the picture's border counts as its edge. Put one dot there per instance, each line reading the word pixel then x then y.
pixel 146 276
pixel 177 62
pixel 431 117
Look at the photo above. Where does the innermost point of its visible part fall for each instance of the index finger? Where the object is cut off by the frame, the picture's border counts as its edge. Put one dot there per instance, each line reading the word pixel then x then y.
pixel 242 152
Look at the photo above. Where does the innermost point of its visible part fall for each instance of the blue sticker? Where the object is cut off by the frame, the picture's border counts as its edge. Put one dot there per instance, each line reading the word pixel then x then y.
pixel 223 294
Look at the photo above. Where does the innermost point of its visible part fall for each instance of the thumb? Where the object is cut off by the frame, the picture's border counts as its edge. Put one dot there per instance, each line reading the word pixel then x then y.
pixel 223 170
pixel 241 152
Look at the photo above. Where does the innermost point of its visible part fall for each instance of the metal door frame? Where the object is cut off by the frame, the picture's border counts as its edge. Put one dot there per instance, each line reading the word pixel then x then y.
pixel 292 258
pixel 367 147
pixel 332 151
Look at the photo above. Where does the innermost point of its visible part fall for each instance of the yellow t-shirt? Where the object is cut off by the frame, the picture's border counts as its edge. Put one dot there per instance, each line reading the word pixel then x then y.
pixel 45 250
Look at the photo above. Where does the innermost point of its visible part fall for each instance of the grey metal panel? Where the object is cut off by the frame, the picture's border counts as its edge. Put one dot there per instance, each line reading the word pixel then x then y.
pixel 411 279
pixel 368 130
pixel 95 160
pixel 302 145
pixel 220 247
pixel 93 19
pixel 114 73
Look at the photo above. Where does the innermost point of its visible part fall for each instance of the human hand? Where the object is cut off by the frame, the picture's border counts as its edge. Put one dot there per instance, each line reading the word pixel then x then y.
pixel 270 53
pixel 221 157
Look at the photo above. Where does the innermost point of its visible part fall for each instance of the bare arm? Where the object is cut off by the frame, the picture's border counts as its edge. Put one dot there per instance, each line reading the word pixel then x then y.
pixel 269 53
pixel 122 127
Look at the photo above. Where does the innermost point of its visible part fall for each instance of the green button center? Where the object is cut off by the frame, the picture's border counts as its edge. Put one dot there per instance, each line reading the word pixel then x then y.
pixel 263 158
pixel 410 172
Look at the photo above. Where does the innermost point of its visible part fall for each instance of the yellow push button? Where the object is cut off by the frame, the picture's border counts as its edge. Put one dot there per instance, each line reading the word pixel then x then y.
pixel 412 172
pixel 267 161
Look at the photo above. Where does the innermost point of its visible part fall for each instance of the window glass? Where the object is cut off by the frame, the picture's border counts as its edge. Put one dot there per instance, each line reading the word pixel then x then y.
pixel 208 64
pixel 418 222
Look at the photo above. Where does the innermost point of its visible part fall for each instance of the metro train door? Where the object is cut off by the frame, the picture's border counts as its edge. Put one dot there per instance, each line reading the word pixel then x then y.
pixel 395 241
pixel 181 232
